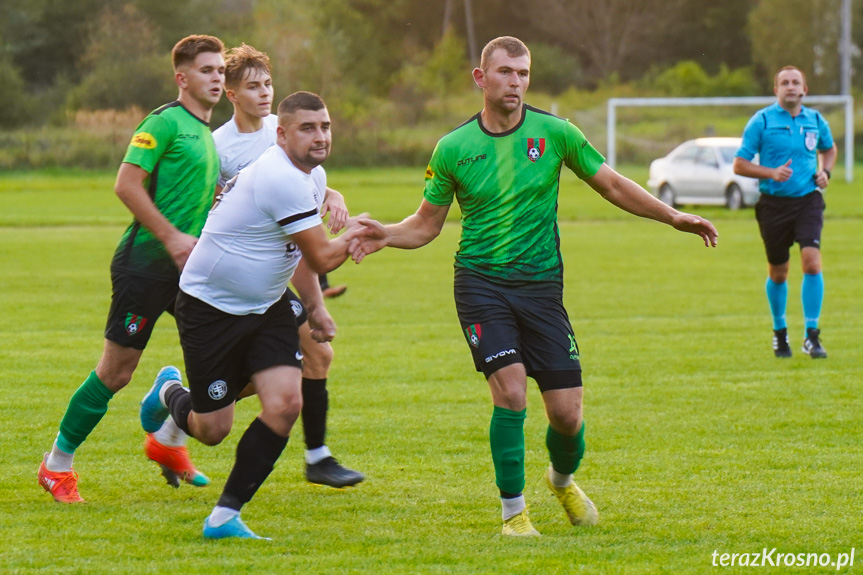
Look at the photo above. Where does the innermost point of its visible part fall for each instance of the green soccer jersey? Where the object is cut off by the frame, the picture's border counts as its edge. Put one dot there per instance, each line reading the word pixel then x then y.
pixel 177 149
pixel 506 186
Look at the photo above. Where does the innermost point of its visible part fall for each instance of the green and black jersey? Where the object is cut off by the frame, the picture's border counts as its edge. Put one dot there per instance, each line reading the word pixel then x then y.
pixel 507 186
pixel 177 149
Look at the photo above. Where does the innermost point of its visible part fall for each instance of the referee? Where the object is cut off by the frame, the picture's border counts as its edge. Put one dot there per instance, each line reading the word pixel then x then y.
pixel 791 141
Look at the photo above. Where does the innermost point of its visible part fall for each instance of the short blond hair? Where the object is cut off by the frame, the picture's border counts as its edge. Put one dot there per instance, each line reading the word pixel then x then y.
pixel 513 46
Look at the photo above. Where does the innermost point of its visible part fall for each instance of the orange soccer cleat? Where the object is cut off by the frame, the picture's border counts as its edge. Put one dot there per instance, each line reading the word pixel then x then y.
pixel 175 463
pixel 62 485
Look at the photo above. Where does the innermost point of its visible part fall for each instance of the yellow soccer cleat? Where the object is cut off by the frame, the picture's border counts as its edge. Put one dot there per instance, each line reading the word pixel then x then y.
pixel 519 526
pixel 579 508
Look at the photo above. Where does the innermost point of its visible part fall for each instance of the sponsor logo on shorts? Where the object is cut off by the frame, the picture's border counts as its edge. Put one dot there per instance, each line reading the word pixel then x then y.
pixel 144 140
pixel 134 323
pixel 473 333
pixel 491 358
pixel 217 390
pixel 296 307
pixel 573 347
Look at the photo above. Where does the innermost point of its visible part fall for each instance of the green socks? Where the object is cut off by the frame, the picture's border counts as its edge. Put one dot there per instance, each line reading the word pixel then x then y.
pixel 565 451
pixel 83 414
pixel 506 435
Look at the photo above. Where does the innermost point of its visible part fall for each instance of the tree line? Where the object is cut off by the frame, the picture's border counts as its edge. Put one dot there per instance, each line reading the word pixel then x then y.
pixel 407 56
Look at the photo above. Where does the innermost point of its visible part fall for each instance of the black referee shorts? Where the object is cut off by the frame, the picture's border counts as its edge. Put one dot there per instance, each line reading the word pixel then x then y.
pixel 784 220
pixel 504 326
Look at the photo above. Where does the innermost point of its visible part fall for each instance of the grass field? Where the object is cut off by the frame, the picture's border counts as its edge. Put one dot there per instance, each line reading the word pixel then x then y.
pixel 698 439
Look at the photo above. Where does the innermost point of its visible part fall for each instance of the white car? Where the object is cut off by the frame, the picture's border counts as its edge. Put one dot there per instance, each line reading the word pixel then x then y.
pixel 700 172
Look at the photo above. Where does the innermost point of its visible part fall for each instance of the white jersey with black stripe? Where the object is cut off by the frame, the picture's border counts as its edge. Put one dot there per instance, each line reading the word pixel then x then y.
pixel 244 258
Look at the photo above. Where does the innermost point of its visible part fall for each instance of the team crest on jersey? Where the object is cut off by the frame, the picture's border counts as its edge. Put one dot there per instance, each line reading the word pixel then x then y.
pixel 810 139
pixel 473 333
pixel 429 173
pixel 144 140
pixel 134 323
pixel 534 148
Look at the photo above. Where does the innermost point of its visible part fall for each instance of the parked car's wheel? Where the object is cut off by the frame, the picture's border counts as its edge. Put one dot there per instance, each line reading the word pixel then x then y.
pixel 734 197
pixel 666 195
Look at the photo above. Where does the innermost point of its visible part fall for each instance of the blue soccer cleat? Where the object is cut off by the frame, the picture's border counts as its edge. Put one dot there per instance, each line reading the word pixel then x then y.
pixel 233 528
pixel 153 411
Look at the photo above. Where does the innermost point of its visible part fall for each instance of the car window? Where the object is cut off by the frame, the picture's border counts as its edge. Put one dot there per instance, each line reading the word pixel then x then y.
pixel 706 156
pixel 728 153
pixel 686 155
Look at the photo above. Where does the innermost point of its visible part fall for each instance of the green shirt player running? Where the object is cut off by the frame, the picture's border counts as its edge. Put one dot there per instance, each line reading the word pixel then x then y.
pixel 502 167
pixel 167 180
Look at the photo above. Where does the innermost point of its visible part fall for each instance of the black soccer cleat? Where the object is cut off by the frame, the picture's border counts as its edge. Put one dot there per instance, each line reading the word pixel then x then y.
pixel 812 344
pixel 781 348
pixel 328 471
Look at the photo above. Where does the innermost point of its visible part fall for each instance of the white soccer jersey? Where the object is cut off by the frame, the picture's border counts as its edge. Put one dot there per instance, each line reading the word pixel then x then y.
pixel 244 259
pixel 238 150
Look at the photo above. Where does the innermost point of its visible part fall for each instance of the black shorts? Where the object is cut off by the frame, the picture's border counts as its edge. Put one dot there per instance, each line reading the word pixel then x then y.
pixel 136 303
pixel 783 221
pixel 297 307
pixel 504 326
pixel 222 351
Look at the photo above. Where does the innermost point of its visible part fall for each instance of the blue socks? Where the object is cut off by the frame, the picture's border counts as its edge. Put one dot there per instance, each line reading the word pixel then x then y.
pixel 777 297
pixel 812 294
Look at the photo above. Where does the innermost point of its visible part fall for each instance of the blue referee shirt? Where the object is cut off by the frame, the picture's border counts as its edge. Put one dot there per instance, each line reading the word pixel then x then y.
pixel 777 137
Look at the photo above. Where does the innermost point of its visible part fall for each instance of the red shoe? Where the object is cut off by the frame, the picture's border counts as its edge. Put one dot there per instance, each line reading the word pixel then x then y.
pixel 175 463
pixel 62 485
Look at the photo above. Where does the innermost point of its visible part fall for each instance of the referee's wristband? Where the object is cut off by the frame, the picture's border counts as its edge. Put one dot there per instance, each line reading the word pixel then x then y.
pixel 826 171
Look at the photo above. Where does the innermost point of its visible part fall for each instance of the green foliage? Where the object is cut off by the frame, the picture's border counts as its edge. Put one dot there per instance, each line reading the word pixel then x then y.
pixel 122 63
pixel 15 101
pixel 698 439
pixel 552 69
pixel 802 33
pixel 688 79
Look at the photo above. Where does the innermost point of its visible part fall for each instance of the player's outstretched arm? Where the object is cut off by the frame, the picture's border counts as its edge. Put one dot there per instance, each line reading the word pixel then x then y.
pixel 334 203
pixel 413 232
pixel 629 196
pixel 323 255
pixel 131 191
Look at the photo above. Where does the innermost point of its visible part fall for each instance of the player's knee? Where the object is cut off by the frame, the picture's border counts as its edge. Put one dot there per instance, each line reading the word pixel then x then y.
pixel 285 408
pixel 213 434
pixel 566 422
pixel 317 360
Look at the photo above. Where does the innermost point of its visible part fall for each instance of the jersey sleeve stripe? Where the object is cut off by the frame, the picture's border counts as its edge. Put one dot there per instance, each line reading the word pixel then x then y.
pixel 297 217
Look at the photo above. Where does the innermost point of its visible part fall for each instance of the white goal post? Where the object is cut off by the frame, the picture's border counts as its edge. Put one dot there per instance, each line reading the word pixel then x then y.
pixel 615 103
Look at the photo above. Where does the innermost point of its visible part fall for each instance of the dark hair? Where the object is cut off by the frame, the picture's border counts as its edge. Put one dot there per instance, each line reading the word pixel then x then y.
pixel 241 60
pixel 300 101
pixel 186 50
pixel 513 46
